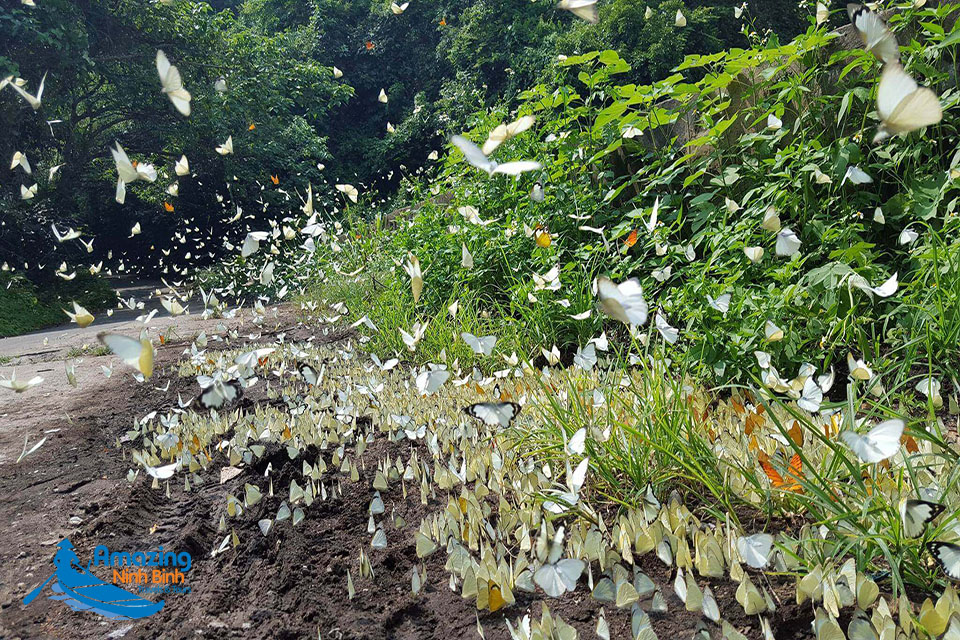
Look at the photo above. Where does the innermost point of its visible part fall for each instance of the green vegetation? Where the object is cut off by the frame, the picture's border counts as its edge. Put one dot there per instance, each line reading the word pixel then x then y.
pixel 726 144
pixel 24 309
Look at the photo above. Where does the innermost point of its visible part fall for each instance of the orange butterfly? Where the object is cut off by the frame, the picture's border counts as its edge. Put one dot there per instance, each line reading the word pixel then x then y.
pixel 251 127
pixel 168 207
pixel 262 361
pixel 275 179
pixel 794 474
pixel 443 22
pixel 631 239
pixel 796 433
pixel 370 45
pixel 163 339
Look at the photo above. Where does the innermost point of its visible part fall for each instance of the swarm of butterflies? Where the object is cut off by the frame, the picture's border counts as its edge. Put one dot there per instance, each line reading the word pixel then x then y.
pixel 447 428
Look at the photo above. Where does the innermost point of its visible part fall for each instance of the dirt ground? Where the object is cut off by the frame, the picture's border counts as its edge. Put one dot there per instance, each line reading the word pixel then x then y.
pixel 291 584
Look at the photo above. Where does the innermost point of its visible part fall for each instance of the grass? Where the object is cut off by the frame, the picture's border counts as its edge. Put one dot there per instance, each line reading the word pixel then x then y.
pixel 88 350
pixel 696 418
pixel 26 306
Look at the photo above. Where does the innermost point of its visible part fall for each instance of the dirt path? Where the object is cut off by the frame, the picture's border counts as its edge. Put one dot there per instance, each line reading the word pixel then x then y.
pixel 289 584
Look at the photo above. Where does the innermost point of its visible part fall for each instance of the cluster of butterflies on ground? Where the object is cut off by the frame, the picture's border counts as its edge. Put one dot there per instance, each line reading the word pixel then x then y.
pixel 903 107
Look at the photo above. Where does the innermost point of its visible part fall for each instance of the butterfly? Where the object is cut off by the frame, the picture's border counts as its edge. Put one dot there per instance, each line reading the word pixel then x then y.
pixel 182 167
pixel 429 381
pixel 135 353
pixel 397 9
pixel 19 386
pixel 903 105
pixel 670 334
pixel 755 549
pixel 33 101
pixel 275 179
pixel 583 9
pixel 559 577
pixel 624 301
pixel 631 239
pixel 369 45
pixel 947 555
pixel 915 514
pixel 478 159
pixel 216 392
pixel 383 97
pixel 227 147
pixel 168 207
pixel 348 190
pixel 880 443
pixel 794 473
pixel 81 316
pixel 173 84
pixel 493 413
pixel 876 37
pixel 480 346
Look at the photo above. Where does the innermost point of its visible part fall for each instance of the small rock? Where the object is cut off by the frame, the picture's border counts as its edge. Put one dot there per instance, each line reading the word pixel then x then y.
pixel 75 521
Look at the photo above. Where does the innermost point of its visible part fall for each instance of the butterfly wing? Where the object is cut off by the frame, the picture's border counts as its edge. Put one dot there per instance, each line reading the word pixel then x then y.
pixel 915 514
pixel 516 168
pixel 947 555
pixel 493 413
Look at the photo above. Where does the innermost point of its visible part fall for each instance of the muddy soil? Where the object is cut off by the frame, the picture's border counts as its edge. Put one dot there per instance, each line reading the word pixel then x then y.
pixel 289 584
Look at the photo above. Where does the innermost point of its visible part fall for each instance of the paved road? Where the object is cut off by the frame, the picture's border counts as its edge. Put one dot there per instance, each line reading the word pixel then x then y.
pixel 42 344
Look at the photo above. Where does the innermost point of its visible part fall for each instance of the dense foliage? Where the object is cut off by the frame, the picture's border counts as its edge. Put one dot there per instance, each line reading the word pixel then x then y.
pixel 706 151
pixel 289 117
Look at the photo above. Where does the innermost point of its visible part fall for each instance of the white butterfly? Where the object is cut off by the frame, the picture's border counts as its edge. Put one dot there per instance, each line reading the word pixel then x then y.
pixel 755 549
pixel 947 555
pixel 475 157
pixel 162 473
pixel 481 346
pixel 383 97
pixel 19 386
pixel 721 304
pixel 398 8
pixel 33 101
pixel 251 244
pixel 173 84
pixel 182 168
pixel 754 254
pixel 557 576
pixel 669 333
pixel 227 147
pixel 885 290
pixel 493 414
pixel 349 190
pixel 429 381
pixel 903 105
pixel 578 442
pixel 569 498
pixel 585 358
pixel 680 20
pixel 788 244
pixel 216 391
pixel 876 37
pixel 856 175
pixel 880 443
pixel 907 236
pixel 583 9
pixel 503 132
pixel 135 353
pixel 624 301
pixel 811 396
pixel 915 514
pixel 127 172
